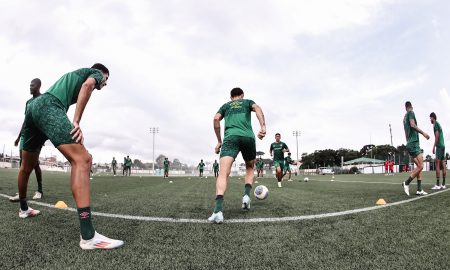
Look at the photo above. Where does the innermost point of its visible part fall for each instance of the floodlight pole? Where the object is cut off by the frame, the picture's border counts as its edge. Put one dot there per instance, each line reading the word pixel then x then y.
pixel 154 130
pixel 296 133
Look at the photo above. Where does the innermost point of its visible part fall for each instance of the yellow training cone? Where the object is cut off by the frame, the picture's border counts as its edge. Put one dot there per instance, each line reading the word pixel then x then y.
pixel 381 202
pixel 61 204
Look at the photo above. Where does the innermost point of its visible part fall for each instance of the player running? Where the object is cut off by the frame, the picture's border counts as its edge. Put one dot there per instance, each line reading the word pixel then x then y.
pixel 46 118
pixel 277 150
pixel 412 137
pixel 287 166
pixel 439 150
pixel 238 137
pixel 35 87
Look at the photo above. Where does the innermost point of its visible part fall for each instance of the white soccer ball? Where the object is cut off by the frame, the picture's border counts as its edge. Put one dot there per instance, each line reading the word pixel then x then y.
pixel 206 177
pixel 261 192
pixel 171 182
pixel 306 179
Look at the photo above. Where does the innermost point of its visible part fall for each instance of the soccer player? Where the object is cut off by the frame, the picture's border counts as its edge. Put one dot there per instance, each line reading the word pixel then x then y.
pixel 386 167
pixel 200 167
pixel 124 166
pixel 238 137
pixel 114 165
pixel 216 168
pixel 439 150
pixel 128 164
pixel 46 118
pixel 413 147
pixel 277 150
pixel 391 167
pixel 166 167
pixel 35 87
pixel 287 168
pixel 259 168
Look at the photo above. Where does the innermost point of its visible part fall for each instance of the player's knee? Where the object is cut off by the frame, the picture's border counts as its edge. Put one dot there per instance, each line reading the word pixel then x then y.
pixel 84 160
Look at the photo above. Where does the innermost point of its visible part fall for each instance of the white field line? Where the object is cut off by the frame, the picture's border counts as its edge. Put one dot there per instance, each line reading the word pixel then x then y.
pixel 249 220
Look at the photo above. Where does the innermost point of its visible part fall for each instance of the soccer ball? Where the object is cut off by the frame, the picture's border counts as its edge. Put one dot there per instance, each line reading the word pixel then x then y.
pixel 170 182
pixel 261 192
pixel 306 179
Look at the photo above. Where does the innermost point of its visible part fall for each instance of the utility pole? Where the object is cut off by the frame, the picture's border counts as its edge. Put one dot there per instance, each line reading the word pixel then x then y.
pixel 297 133
pixel 154 130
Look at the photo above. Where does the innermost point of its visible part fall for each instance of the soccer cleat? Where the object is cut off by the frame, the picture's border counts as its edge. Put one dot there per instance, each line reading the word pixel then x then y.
pixel 443 187
pixel 100 242
pixel 290 180
pixel 405 188
pixel 279 184
pixel 246 202
pixel 14 198
pixel 37 195
pixel 436 187
pixel 28 213
pixel 421 192
pixel 216 218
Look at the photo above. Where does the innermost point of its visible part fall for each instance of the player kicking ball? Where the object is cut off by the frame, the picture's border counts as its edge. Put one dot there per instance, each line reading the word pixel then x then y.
pixel 46 118
pixel 238 137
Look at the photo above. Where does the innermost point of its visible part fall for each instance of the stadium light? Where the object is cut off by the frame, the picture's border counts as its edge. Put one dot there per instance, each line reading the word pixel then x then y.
pixel 154 130
pixel 296 133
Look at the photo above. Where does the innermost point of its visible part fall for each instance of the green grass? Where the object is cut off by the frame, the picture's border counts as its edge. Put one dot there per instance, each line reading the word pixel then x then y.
pixel 414 235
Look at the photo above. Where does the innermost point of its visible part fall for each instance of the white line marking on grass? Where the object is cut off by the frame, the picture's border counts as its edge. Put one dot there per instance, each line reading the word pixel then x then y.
pixel 249 220
pixel 364 182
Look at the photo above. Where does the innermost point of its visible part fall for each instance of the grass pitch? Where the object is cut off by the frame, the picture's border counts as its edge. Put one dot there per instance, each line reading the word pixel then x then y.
pixel 414 235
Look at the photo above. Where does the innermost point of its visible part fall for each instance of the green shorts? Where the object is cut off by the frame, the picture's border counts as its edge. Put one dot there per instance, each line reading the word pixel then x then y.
pixel 279 164
pixel 287 168
pixel 232 145
pixel 440 153
pixel 46 118
pixel 414 149
pixel 166 170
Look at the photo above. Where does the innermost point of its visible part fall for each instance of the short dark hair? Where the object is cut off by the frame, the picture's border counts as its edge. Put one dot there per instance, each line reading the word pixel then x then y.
pixel 408 104
pixel 37 80
pixel 235 92
pixel 277 134
pixel 433 115
pixel 101 67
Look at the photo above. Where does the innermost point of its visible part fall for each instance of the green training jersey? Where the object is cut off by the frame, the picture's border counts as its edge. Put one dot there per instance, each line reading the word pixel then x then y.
pixel 412 136
pixel 67 88
pixel 437 127
pixel 201 165
pixel 260 165
pixel 166 164
pixel 277 149
pixel 237 115
pixel 114 163
pixel 128 162
pixel 287 160
pixel 216 166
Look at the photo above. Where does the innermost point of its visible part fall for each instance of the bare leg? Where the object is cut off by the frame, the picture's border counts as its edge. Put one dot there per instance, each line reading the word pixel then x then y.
pixel 80 160
pixel 29 160
pixel 224 173
pixel 250 171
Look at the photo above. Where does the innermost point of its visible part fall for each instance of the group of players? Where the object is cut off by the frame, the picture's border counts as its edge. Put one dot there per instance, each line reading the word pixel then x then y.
pixel 46 118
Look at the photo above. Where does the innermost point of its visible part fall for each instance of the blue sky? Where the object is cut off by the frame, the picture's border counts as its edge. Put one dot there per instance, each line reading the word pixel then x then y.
pixel 338 71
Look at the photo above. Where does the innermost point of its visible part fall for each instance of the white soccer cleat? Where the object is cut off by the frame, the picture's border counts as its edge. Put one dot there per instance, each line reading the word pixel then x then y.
pixel 28 213
pixel 279 184
pixel 100 242
pixel 14 198
pixel 216 218
pixel 420 193
pixel 436 187
pixel 37 195
pixel 405 188
pixel 443 187
pixel 246 202
pixel 290 180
